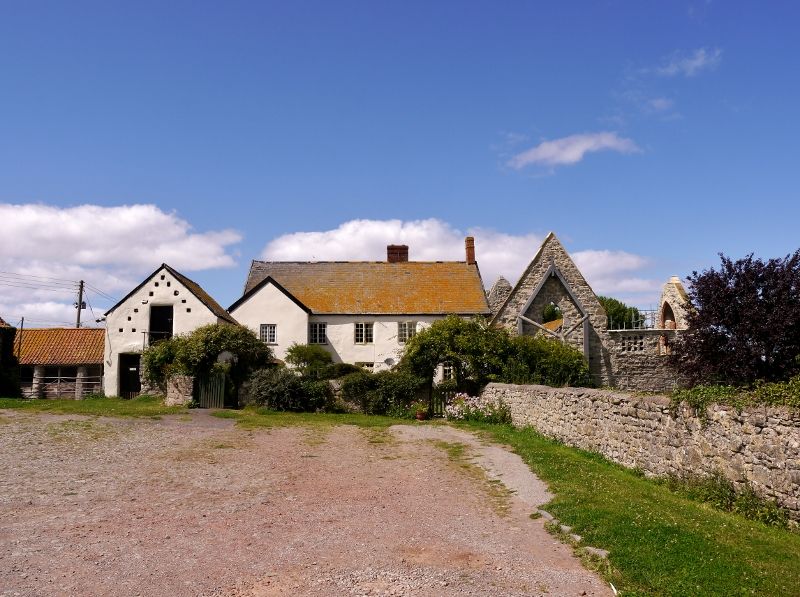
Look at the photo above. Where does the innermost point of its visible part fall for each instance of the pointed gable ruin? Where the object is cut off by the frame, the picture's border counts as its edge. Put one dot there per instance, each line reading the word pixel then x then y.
pixel 552 278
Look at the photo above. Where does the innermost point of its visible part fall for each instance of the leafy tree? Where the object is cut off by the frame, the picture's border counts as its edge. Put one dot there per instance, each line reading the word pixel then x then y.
pixel 551 312
pixel 745 322
pixel 311 360
pixel 197 353
pixel 480 354
pixel 470 346
pixel 620 315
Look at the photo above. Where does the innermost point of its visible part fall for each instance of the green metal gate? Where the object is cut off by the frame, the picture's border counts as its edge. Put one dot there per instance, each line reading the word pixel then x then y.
pixel 211 391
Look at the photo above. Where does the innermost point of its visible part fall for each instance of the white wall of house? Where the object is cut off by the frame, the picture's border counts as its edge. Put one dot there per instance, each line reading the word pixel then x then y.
pixel 127 325
pixel 385 345
pixel 269 305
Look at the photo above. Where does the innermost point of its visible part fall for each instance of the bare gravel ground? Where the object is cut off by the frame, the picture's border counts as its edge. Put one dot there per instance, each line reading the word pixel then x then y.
pixel 190 505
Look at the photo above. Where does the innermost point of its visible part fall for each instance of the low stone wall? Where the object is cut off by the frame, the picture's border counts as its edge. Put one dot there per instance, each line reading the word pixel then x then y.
pixel 760 445
pixel 179 390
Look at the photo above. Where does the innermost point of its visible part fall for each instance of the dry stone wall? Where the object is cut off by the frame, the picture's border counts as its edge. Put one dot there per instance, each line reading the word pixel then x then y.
pixel 179 390
pixel 760 445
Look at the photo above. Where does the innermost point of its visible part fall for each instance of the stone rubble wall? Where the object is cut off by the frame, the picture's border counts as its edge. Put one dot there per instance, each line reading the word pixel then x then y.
pixel 179 390
pixel 760 445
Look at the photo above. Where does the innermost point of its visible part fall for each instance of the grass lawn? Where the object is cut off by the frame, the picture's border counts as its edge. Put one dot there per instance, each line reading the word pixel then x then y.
pixel 660 543
pixel 141 406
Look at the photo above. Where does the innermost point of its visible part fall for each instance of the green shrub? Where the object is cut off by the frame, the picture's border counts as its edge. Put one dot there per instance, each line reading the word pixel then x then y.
pixel 358 388
pixel 385 392
pixel 785 393
pixel 311 360
pixel 540 360
pixel 339 370
pixel 196 354
pixel 317 395
pixel 394 391
pixel 278 389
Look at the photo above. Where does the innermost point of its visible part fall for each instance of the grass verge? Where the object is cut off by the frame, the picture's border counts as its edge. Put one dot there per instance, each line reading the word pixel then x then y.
pixel 252 417
pixel 660 543
pixel 141 406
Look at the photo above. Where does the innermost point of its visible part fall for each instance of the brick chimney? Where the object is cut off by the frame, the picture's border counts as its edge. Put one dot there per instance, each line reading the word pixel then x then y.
pixel 397 253
pixel 469 244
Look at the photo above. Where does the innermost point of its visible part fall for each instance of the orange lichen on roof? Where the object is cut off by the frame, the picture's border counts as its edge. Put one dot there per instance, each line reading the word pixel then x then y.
pixel 353 287
pixel 61 346
pixel 3 324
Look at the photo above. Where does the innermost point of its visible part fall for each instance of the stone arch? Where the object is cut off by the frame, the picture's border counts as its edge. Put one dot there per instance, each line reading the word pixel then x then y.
pixel 667 317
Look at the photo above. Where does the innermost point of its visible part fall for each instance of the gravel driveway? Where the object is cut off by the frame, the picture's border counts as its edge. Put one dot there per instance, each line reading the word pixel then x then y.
pixel 191 505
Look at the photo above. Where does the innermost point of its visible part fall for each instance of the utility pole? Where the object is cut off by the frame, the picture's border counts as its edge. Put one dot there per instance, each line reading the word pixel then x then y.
pixel 19 337
pixel 80 304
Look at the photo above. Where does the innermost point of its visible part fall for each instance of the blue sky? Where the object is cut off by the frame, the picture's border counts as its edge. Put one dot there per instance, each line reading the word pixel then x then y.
pixel 648 136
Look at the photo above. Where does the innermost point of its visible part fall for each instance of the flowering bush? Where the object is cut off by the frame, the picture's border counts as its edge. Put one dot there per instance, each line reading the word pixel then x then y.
pixel 463 407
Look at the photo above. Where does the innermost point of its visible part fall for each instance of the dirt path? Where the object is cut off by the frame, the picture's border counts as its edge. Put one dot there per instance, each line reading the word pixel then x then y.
pixel 193 506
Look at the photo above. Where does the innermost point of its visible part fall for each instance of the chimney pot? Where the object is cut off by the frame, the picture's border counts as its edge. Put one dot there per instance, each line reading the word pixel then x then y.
pixel 397 253
pixel 469 244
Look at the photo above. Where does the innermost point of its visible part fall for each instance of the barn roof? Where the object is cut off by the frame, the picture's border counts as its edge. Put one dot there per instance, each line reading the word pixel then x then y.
pixel 191 285
pixel 61 346
pixel 376 287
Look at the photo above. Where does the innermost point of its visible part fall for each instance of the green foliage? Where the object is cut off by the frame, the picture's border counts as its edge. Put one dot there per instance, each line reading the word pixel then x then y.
pixel 720 492
pixel 786 393
pixel 480 354
pixel 311 360
pixel 196 354
pixel 541 360
pixel 385 392
pixel 339 370
pixel 620 316
pixel 744 324
pixel 551 312
pixel 283 390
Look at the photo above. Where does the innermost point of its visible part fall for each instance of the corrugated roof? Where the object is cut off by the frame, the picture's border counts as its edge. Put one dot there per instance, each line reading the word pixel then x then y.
pixel 61 346
pixel 377 287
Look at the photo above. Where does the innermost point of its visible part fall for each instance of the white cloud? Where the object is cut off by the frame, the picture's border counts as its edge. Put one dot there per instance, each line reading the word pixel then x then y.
pixel 572 149
pixel 109 247
pixel 660 104
pixel 498 253
pixel 692 63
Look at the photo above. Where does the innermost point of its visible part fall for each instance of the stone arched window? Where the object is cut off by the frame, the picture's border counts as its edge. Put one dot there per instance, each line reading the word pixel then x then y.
pixel 667 317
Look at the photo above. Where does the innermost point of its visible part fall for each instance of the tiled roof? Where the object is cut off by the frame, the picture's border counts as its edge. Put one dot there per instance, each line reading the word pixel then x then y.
pixel 377 287
pixel 202 295
pixel 3 324
pixel 61 346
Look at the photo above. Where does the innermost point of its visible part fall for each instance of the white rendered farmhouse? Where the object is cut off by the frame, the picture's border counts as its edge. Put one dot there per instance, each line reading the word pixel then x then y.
pixel 166 303
pixel 361 312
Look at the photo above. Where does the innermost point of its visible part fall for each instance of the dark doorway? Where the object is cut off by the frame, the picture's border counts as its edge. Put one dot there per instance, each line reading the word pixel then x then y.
pixel 160 323
pixel 129 382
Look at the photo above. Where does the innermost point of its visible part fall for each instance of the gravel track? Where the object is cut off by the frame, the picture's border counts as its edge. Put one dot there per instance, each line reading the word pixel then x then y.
pixel 191 505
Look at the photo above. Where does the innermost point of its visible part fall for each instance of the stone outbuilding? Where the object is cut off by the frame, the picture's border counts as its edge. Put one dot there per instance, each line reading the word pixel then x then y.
pixel 632 359
pixel 60 362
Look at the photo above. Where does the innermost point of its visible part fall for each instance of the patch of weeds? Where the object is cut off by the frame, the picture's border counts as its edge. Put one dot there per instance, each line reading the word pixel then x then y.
pixel 720 492
pixel 534 515
pixel 495 490
pixel 379 435
pixel 71 429
pixel 254 417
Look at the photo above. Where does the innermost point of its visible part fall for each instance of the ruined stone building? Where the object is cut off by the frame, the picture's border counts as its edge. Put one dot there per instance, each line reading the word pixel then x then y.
pixel 631 359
